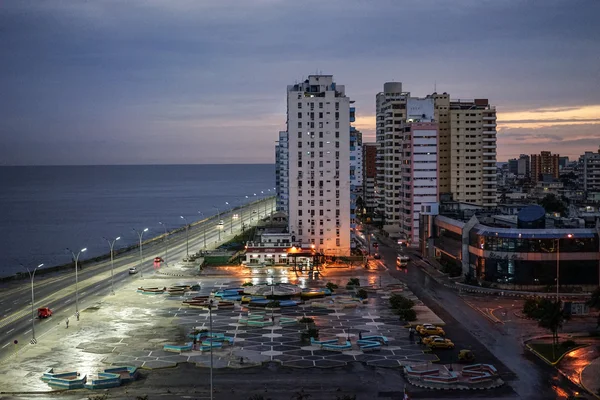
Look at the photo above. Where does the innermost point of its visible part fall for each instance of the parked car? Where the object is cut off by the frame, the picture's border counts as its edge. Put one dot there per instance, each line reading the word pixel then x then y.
pixel 429 329
pixel 441 343
pixel 158 259
pixel 377 256
pixel 429 339
pixel 221 223
pixel 44 312
pixel 133 270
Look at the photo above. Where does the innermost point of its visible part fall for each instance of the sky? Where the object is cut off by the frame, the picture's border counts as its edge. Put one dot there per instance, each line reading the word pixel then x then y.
pixel 188 81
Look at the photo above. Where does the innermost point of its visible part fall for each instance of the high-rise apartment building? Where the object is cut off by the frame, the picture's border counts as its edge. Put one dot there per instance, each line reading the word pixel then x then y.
pixel 282 179
pixel 318 122
pixel 544 163
pixel 407 163
pixel 356 172
pixel 369 196
pixel 591 171
pixel 523 166
pixel 465 154
pixel 472 155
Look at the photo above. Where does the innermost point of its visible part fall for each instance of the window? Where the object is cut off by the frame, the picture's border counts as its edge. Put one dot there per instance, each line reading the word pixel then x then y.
pixel 337 135
pixel 337 145
pixel 337 105
pixel 299 124
pixel 320 144
pixel 320 124
pixel 321 135
pixel 320 105
pixel 299 164
pixel 299 145
pixel 320 212
pixel 299 105
pixel 337 115
pixel 320 115
pixel 337 125
pixel 299 203
pixel 299 231
pixel 299 115
pixel 299 135
pixel 320 241
pixel 337 242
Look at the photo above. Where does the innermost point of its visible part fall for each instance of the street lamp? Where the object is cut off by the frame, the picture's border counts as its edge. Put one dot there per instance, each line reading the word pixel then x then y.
pixel 203 227
pixel 218 222
pixel 187 237
pixel 140 234
pixel 112 265
pixel 558 263
pixel 31 276
pixel 258 208
pixel 264 200
pixel 166 242
pixel 210 306
pixel 76 258
pixel 231 212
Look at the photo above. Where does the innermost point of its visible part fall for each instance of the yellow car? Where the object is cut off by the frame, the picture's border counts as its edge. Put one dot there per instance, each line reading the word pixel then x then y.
pixel 247 298
pixel 428 339
pixel 429 329
pixel 440 343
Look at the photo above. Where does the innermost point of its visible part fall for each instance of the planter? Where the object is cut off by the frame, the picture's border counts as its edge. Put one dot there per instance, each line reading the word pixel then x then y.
pixel 272 309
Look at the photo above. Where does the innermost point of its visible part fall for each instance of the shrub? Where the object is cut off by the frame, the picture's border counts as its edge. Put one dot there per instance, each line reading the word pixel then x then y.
pixel 306 320
pixel 310 332
pixel 273 304
pixel 353 282
pixel 530 307
pixel 362 294
pixel 407 315
pixel 331 286
pixel 247 284
pixel 400 302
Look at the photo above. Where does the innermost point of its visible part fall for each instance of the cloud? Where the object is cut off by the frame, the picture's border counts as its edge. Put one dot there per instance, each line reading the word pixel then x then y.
pixel 199 78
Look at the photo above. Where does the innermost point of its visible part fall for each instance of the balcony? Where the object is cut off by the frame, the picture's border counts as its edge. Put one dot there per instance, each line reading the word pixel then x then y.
pixel 487 125
pixel 489 139
pixel 489 161
pixel 490 168
pixel 489 146
pixel 489 118
pixel 489 154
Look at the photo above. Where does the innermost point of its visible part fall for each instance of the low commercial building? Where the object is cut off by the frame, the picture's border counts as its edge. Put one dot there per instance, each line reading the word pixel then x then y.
pixel 528 256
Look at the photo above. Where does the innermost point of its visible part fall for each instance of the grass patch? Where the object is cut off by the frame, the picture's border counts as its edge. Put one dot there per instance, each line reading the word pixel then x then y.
pixel 545 350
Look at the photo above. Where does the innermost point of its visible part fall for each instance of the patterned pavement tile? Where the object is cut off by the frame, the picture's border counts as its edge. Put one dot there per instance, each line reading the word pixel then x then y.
pixel 299 352
pixel 299 364
pixel 285 348
pixel 327 363
pixel 384 363
pixel 258 348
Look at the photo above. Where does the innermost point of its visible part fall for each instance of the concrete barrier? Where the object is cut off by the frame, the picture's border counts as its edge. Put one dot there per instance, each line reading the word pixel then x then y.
pixel 177 348
pixel 64 380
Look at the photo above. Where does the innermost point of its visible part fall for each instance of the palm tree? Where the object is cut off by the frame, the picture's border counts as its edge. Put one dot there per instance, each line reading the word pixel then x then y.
pixel 594 303
pixel 552 317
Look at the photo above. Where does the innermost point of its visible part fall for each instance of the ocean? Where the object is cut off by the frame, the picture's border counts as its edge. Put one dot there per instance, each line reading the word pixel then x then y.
pixel 44 210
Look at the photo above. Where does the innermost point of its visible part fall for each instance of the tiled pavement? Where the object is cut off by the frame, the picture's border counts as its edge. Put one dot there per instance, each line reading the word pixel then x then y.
pixel 280 343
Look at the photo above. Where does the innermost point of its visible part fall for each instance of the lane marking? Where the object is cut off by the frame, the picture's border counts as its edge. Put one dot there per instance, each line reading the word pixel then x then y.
pixel 27 332
pixel 6 345
pixel 8 309
pixel 10 331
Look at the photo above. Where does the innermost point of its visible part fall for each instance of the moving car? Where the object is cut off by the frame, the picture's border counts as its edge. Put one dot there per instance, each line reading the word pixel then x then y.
pixel 441 343
pixel 221 223
pixel 44 312
pixel 429 329
pixel 466 356
pixel 377 256
pixel 158 259
pixel 402 261
pixel 133 270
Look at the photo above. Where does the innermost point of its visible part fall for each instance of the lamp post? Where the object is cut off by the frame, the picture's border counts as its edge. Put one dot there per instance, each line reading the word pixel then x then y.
pixel 187 237
pixel 258 208
pixel 218 222
pixel 272 299
pixel 166 241
pixel 140 234
pixel 264 200
pixel 242 213
pixel 31 276
pixel 210 306
pixel 76 259
pixel 112 262
pixel 203 227
pixel 231 218
pixel 558 264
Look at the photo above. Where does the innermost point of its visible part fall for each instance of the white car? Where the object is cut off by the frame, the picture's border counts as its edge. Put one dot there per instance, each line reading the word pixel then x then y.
pixel 133 270
pixel 221 223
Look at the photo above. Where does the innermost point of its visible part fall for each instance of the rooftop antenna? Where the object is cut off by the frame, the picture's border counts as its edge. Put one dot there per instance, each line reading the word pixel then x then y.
pixel 434 86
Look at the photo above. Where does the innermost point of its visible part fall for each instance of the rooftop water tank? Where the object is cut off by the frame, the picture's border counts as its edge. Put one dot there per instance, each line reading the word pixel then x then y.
pixel 532 217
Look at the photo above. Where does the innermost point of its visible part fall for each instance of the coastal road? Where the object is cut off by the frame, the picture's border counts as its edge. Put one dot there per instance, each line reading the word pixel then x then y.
pixel 468 328
pixel 58 292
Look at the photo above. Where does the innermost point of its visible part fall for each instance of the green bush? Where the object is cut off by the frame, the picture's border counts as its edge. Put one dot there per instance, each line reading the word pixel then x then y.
pixel 407 315
pixel 247 284
pixel 398 301
pixel 310 332
pixel 331 286
pixel 306 320
pixel 362 294
pixel 530 306
pixel 353 282
pixel 273 304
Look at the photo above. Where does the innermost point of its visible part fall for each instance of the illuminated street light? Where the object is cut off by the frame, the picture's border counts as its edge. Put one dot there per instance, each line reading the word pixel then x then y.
pixel 76 259
pixel 33 316
pixel 187 236
pixel 140 234
pixel 112 263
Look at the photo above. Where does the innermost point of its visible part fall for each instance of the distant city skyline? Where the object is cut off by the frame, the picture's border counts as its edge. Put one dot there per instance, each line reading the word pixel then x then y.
pixel 187 82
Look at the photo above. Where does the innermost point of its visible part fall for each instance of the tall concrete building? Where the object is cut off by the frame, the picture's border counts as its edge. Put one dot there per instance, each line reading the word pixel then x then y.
pixel 472 152
pixel 282 178
pixel 318 122
pixel 370 199
pixel 591 171
pixel 407 165
pixel 464 146
pixel 544 163
pixel 356 172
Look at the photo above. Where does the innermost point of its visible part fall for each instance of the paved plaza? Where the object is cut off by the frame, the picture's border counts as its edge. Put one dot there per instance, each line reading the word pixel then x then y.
pixel 131 328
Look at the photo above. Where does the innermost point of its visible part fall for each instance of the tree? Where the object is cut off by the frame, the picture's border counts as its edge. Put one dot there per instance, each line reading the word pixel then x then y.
pixel 552 316
pixel 331 286
pixel 594 303
pixel 362 294
pixel 552 204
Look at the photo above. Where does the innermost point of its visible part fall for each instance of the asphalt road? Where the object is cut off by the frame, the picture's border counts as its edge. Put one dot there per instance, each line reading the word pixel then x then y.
pixel 469 329
pixel 58 291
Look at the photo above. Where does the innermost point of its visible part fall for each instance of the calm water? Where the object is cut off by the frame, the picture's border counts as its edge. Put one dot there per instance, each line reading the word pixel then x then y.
pixel 43 210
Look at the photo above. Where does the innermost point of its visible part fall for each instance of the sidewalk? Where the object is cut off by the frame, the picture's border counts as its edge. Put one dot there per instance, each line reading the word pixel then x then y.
pixel 590 378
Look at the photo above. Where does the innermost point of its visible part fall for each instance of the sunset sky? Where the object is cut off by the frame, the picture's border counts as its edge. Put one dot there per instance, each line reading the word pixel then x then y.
pixel 178 82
